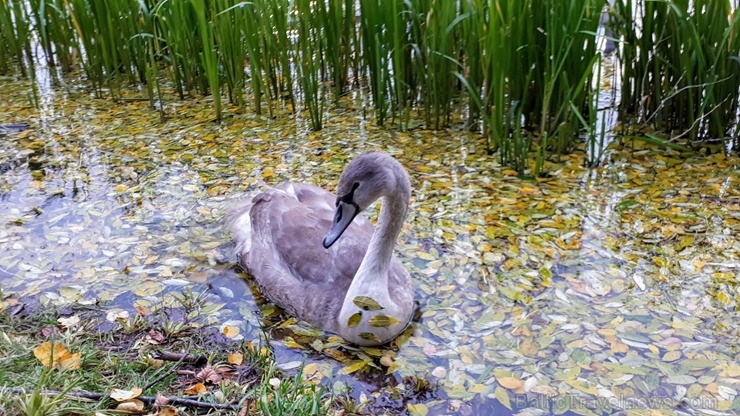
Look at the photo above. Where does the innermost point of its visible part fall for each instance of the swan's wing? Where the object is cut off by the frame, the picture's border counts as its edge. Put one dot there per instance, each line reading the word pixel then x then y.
pixel 287 258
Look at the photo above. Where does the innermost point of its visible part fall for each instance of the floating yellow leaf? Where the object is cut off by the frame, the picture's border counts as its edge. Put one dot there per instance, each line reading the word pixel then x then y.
pixel 511 383
pixel 367 303
pixel 419 409
pixel 290 342
pixel 354 320
pixel 672 356
pixel 582 386
pixel 503 397
pixel 425 256
pixel 231 331
pixel 355 366
pixel 382 321
pixel 235 358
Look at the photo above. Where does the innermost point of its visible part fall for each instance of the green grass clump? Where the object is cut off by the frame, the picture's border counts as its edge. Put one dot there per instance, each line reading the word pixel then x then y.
pixel 123 358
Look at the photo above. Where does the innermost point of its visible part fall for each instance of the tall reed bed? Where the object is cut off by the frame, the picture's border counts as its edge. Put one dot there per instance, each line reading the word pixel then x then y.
pixel 15 28
pixel 680 66
pixel 522 72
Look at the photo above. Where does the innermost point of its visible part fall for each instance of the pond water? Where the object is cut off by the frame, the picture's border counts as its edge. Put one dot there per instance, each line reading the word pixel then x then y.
pixel 585 292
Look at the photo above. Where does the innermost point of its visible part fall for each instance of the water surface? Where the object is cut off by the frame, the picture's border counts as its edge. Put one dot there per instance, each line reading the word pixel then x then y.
pixel 588 291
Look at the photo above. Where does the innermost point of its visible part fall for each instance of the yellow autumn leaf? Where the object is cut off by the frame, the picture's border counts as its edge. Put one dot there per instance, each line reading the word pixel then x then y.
pixel 196 389
pixel 619 347
pixel 671 356
pixel 44 352
pixel 366 303
pixel 382 321
pixel 425 256
pixel 477 388
pixel 231 331
pixel 503 397
pixel 354 320
pixel 510 383
pixel 167 411
pixel 369 336
pixel 290 343
pixel 582 386
pixel 70 362
pixel 120 395
pixel 235 358
pixel 57 356
pixel 419 409
pixel 354 367
pixel 131 406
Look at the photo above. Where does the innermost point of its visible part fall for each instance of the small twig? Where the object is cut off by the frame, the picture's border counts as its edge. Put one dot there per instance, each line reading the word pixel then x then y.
pixel 174 356
pixel 166 373
pixel 179 401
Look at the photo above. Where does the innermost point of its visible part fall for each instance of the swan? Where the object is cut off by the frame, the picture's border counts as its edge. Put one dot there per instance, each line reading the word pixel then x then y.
pixel 288 239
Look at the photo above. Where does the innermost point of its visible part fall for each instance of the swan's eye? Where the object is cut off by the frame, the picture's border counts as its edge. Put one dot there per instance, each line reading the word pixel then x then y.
pixel 355 185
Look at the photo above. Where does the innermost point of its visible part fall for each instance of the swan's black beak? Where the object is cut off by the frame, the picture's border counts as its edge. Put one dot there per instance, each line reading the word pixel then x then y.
pixel 345 213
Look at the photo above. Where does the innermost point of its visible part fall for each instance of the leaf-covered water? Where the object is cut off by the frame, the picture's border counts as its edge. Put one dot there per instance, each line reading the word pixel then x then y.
pixel 589 291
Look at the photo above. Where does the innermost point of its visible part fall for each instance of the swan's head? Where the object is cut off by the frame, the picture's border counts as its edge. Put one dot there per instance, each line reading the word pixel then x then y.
pixel 367 178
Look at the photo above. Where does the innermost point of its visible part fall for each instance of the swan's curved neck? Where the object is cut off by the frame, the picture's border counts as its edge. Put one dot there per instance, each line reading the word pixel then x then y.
pixel 381 319
pixel 379 253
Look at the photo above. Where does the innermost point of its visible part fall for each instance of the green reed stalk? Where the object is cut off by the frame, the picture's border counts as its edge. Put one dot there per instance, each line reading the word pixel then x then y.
pixel 176 21
pixel 308 59
pixel 375 54
pixel 438 59
pixel 258 65
pixel 228 31
pixel 472 33
pixel 208 56
pixel 692 95
pixel 15 36
pixel 337 19
pixel 275 29
pixel 55 33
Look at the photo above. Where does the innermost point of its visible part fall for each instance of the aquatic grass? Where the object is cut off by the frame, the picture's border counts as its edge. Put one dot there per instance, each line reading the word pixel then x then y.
pixel 15 35
pixel 472 33
pixel 693 94
pixel 436 39
pixel 337 18
pixel 503 65
pixel 308 57
pixel 208 55
pixel 231 47
pixel 275 28
pixel 56 33
pixel 373 17
pixel 252 33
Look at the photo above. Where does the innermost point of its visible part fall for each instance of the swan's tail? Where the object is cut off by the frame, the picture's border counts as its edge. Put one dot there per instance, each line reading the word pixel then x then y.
pixel 239 223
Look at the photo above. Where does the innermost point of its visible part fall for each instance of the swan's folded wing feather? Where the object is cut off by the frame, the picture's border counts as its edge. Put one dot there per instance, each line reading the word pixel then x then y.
pixel 287 259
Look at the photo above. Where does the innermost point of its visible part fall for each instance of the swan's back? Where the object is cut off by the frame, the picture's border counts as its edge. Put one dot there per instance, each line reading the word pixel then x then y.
pixel 278 236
